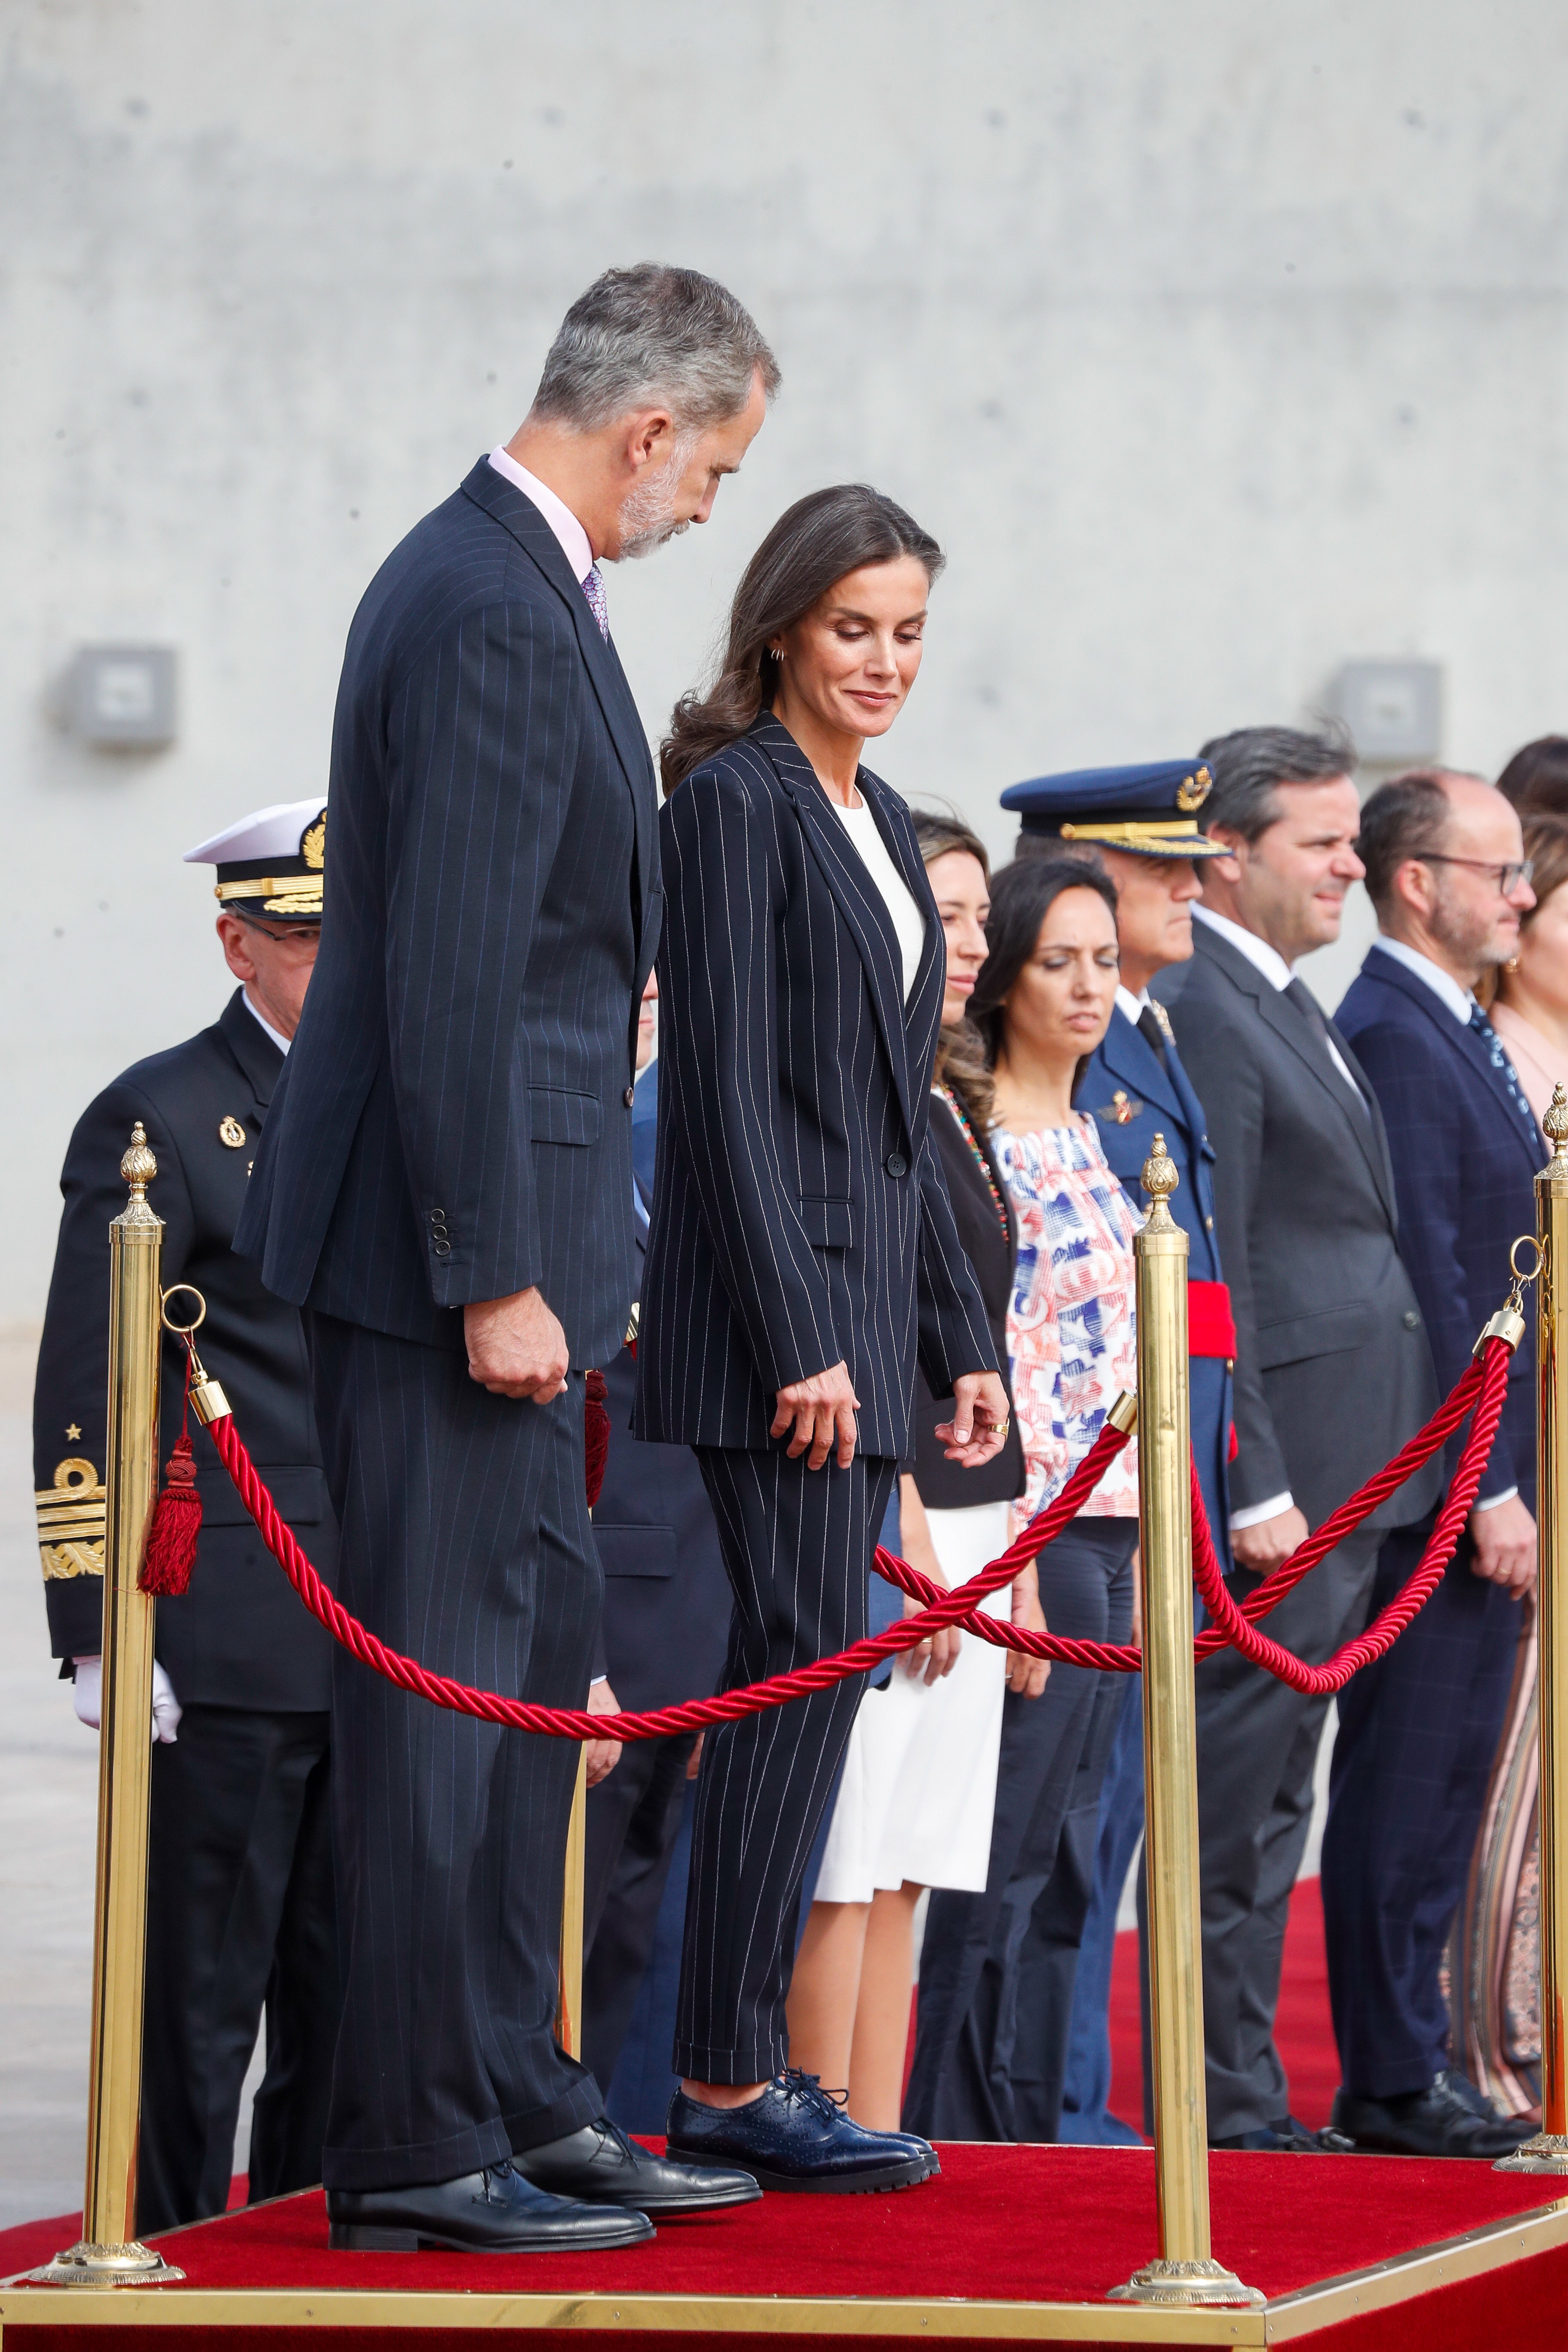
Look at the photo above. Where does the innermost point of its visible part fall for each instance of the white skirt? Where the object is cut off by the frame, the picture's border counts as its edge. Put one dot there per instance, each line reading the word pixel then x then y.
pixel 920 1776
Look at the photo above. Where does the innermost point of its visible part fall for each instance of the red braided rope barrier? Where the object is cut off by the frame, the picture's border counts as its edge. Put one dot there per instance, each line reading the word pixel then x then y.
pixel 1126 1658
pixel 1233 1624
pixel 692 1714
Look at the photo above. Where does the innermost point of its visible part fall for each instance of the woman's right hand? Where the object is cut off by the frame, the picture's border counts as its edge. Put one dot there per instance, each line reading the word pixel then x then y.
pixel 938 1653
pixel 823 1409
pixel 1027 1676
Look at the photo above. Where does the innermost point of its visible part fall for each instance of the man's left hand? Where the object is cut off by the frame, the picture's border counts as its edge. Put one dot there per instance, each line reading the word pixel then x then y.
pixel 1504 1540
pixel 603 1755
pixel 978 1429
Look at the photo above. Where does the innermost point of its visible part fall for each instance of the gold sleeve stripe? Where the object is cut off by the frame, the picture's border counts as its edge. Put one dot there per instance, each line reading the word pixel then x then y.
pixel 72 1520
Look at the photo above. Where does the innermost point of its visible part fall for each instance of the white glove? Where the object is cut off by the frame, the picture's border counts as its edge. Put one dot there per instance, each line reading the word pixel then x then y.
pixel 89 1696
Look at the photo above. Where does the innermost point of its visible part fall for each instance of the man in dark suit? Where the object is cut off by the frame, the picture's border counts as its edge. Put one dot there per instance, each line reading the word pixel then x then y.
pixel 240 1916
pixel 1139 822
pixel 446 1188
pixel 1333 1371
pixel 1419 1730
pixel 667 1625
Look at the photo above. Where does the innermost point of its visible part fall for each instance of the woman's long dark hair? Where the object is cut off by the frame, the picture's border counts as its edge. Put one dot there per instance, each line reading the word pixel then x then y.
pixel 1022 896
pixel 961 1061
pixel 813 543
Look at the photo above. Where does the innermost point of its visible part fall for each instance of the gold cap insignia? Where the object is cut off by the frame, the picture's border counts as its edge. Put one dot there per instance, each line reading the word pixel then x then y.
pixel 230 1131
pixel 1192 792
pixel 313 843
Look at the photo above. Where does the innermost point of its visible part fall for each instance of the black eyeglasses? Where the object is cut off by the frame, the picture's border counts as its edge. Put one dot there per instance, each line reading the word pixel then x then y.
pixel 1507 878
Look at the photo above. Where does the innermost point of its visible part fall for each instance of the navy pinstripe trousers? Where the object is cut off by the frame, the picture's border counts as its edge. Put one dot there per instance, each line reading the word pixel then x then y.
pixel 466 1542
pixel 797 1547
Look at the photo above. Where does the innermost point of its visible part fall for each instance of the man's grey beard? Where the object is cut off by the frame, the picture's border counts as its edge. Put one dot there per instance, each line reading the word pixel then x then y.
pixel 647 516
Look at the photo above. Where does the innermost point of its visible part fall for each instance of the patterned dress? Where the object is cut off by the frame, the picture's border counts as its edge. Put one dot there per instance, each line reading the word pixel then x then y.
pixel 1069 1325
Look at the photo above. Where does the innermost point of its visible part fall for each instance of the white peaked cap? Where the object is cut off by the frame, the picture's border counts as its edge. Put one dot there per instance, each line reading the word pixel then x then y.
pixel 265 833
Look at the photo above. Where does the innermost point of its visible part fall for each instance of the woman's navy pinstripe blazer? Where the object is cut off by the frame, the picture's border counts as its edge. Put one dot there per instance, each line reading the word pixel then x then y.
pixel 800 1214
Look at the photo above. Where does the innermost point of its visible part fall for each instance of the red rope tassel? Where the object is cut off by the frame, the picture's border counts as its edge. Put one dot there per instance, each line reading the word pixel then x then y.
pixel 170 1551
pixel 595 1433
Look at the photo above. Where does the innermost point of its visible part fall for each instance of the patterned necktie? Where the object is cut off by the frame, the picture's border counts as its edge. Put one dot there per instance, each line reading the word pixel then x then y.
pixel 593 589
pixel 1150 1029
pixel 1500 1061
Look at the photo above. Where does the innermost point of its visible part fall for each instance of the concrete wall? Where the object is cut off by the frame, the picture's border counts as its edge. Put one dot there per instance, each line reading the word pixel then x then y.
pixel 1219 344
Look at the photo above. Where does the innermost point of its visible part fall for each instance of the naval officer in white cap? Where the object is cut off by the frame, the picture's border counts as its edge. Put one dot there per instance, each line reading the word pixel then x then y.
pixel 240 1913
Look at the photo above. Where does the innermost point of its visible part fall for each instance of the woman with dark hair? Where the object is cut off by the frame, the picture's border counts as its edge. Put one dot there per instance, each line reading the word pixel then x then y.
pixel 919 1786
pixel 990 2050
pixel 1494 1964
pixel 1536 779
pixel 802 1255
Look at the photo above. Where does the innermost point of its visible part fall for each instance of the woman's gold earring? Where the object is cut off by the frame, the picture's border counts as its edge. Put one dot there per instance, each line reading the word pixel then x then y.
pixel 1513 964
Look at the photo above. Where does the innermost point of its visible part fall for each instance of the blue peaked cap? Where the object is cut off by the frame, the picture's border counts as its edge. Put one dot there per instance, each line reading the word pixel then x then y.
pixel 1149 811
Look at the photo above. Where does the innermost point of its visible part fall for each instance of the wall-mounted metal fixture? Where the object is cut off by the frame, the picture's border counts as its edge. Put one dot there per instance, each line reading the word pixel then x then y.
pixel 1392 708
pixel 121 698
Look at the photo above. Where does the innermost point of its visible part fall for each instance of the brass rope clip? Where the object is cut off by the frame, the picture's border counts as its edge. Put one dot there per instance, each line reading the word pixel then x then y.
pixel 207 1400
pixel 1508 1324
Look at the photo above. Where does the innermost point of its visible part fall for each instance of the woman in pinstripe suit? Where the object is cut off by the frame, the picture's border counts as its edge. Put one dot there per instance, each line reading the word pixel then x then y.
pixel 803 1253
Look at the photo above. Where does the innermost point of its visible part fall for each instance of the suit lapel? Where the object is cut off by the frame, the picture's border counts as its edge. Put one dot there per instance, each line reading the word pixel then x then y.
pixel 855 896
pixel 520 516
pixel 1466 1044
pixel 1128 1055
pixel 258 1058
pixel 1294 1029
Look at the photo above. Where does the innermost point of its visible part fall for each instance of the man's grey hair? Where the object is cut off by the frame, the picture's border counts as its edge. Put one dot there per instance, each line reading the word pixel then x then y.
pixel 654 336
pixel 1248 765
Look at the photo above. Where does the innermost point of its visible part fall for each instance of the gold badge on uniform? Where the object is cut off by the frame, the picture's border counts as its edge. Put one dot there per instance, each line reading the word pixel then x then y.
pixel 1122 1108
pixel 230 1131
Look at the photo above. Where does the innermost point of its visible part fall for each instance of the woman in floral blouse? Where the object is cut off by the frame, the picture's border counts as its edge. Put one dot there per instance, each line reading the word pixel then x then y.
pixel 994 2002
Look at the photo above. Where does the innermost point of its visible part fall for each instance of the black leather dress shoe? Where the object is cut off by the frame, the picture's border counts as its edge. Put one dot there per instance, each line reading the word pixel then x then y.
pixel 600 2165
pixel 1438 2121
pixel 495 2212
pixel 797 2138
pixel 1287 2137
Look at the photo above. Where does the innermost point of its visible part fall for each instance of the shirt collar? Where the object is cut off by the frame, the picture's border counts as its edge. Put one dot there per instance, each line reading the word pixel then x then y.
pixel 573 539
pixel 1130 1006
pixel 1443 985
pixel 277 1035
pixel 1258 953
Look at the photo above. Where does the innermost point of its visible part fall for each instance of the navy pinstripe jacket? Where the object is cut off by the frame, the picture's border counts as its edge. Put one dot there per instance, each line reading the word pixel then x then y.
pixel 800 1216
pixel 1465 1148
pixel 453 1121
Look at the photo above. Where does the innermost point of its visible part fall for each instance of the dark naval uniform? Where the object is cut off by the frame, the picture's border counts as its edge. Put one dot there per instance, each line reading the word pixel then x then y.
pixel 240 1911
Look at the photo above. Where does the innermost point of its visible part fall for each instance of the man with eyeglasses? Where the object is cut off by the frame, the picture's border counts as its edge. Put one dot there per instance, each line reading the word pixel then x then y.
pixel 1419 1730
pixel 241 1918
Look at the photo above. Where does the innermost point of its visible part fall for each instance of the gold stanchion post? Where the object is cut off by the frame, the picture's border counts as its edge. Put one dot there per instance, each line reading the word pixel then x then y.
pixel 1186 2272
pixel 107 2254
pixel 568 2000
pixel 1548 2151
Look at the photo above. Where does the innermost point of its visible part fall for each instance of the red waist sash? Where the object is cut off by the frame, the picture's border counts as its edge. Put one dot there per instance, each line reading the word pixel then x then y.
pixel 1211 1327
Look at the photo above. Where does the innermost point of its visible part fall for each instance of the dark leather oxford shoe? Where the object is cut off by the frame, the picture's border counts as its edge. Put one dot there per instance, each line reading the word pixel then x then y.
pixel 797 2138
pixel 600 2165
pixel 1450 2117
pixel 495 2212
pixel 1288 2137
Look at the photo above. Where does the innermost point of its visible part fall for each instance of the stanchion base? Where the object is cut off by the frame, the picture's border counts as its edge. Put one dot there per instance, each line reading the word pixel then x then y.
pixel 1547 2152
pixel 1186 2284
pixel 84 2265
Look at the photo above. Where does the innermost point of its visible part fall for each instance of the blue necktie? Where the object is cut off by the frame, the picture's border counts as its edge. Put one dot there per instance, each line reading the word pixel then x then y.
pixel 1500 1061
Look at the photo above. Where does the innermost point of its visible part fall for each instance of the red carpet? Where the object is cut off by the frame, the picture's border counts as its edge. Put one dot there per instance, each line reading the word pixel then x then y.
pixel 1001 2223
pixel 1303 2030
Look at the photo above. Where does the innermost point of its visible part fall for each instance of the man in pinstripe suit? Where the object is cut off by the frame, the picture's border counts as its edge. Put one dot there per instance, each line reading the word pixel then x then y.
pixel 445 1186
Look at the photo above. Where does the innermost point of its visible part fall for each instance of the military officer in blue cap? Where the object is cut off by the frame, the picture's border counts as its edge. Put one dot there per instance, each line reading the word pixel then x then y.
pixel 1141 822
